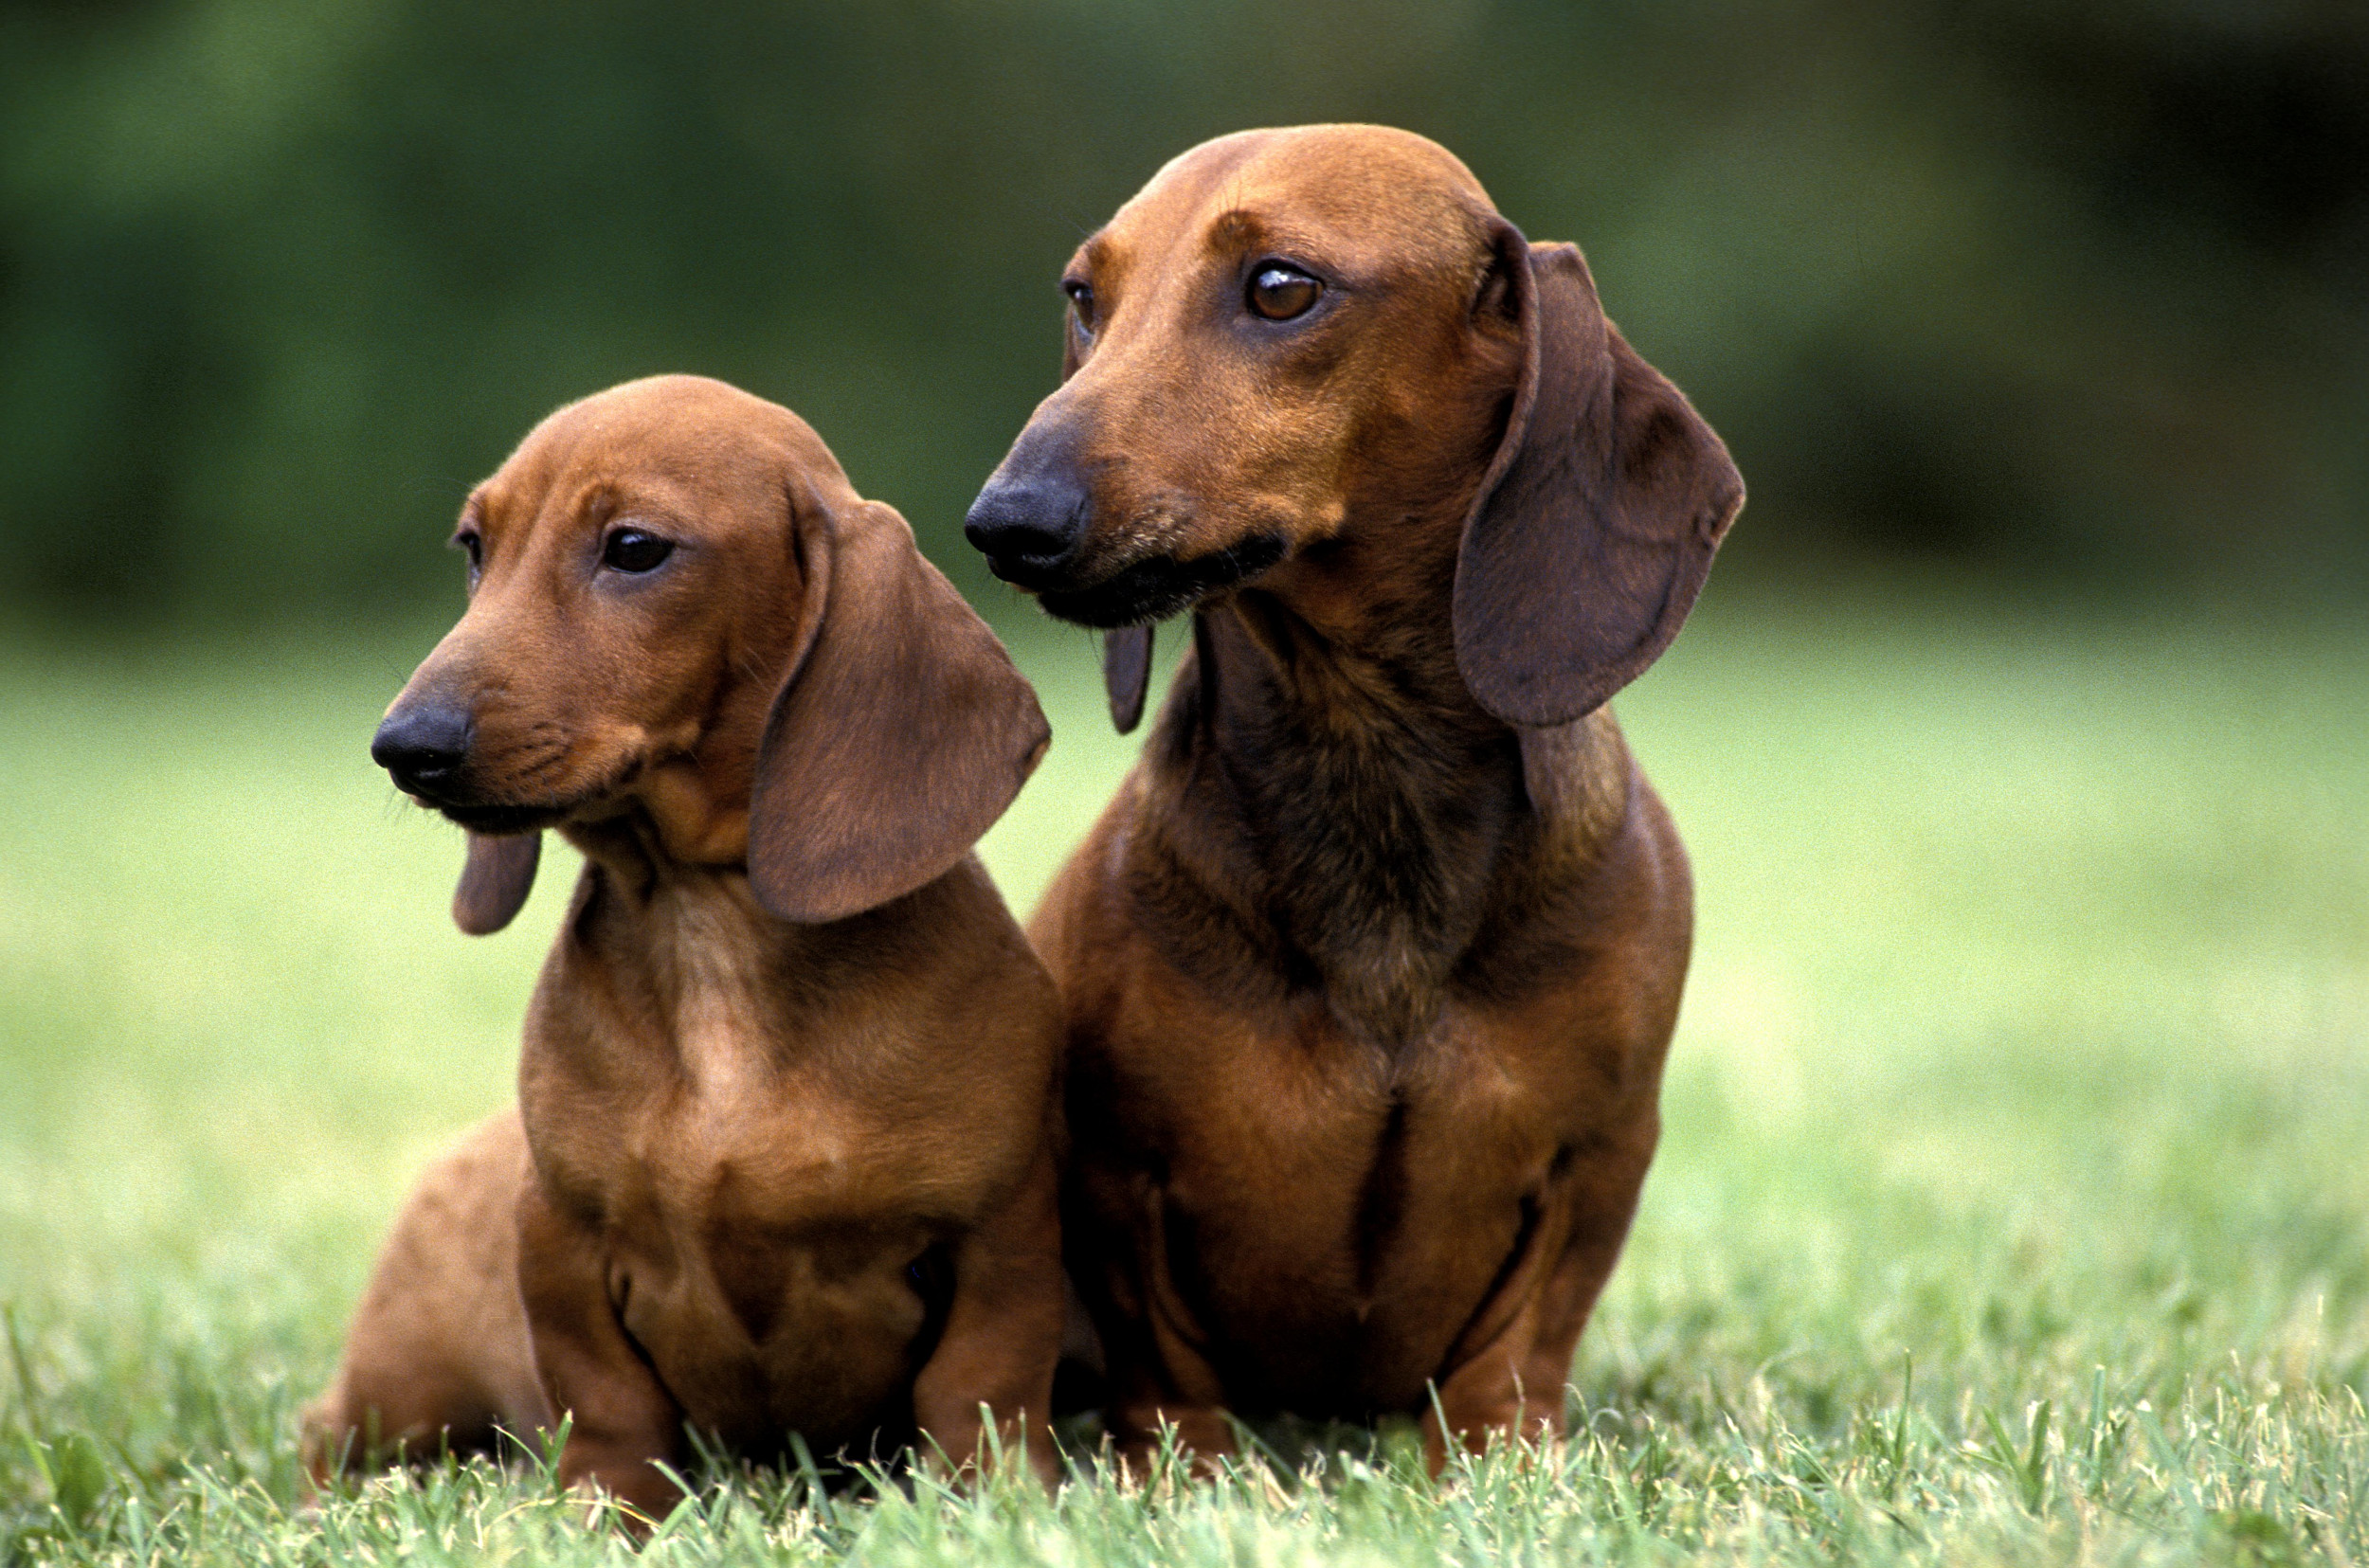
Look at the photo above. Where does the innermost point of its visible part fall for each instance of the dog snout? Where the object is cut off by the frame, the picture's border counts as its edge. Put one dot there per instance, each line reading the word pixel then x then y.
pixel 1030 520
pixel 423 746
pixel 1029 527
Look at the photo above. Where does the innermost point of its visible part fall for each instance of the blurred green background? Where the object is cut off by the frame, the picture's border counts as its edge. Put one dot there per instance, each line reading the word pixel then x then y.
pixel 2048 293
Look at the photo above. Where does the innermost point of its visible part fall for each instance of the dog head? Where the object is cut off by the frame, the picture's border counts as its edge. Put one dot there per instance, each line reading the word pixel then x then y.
pixel 680 609
pixel 1298 340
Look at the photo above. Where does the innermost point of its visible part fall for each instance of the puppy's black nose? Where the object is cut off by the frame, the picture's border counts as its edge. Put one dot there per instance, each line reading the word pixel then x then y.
pixel 1027 527
pixel 423 746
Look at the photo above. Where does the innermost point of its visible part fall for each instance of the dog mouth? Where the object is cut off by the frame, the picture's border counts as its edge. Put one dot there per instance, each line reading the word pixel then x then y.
pixel 1158 586
pixel 502 819
pixel 499 821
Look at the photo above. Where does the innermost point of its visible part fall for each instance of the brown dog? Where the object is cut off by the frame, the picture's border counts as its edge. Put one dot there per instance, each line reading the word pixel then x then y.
pixel 784 1159
pixel 1370 968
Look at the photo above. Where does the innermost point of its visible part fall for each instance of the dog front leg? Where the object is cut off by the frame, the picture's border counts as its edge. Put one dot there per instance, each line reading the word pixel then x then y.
pixel 624 1423
pixel 1512 1376
pixel 1159 1375
pixel 1002 1335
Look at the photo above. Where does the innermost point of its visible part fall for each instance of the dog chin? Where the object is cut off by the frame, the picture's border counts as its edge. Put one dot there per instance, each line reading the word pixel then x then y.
pixel 500 821
pixel 1162 585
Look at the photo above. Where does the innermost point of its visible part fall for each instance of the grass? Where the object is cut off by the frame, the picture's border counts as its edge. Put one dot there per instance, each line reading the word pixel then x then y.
pixel 2014 1205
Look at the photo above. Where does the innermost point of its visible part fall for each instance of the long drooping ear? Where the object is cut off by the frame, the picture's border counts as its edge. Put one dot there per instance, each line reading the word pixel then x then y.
pixel 899 734
pixel 1596 522
pixel 495 881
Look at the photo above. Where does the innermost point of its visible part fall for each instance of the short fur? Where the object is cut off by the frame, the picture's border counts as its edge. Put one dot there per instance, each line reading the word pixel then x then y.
pixel 1370 968
pixel 784 1156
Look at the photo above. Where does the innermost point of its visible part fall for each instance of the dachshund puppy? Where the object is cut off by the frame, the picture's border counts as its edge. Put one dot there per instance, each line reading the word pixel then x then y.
pixel 783 1160
pixel 1370 968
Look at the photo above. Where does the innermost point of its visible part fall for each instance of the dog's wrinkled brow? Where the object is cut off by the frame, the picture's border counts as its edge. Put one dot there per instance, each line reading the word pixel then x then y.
pixel 598 501
pixel 1238 226
pixel 1243 231
pixel 1095 253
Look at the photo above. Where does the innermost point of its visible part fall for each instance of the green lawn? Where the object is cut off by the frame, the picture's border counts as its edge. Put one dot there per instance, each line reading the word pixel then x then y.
pixel 2014 1201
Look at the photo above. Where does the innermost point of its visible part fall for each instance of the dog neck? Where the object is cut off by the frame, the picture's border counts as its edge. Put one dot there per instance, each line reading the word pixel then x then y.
pixel 1332 807
pixel 687 944
pixel 717 987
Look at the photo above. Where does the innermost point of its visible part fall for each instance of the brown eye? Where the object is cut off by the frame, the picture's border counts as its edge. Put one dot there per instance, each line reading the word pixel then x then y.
pixel 1279 293
pixel 631 550
pixel 1081 299
pixel 474 548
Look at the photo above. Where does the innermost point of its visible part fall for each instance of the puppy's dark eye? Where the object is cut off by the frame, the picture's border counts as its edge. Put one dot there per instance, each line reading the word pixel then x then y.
pixel 632 549
pixel 474 547
pixel 1082 301
pixel 1279 291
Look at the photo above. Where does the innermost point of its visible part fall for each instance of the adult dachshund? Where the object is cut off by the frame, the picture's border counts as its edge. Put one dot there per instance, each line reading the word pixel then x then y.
pixel 1370 968
pixel 783 1160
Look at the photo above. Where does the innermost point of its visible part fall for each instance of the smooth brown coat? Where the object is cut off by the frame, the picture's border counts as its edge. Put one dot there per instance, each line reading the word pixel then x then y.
pixel 1370 968
pixel 784 1156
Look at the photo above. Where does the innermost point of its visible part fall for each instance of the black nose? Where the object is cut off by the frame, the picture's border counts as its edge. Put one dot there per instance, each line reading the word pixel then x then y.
pixel 1027 527
pixel 423 746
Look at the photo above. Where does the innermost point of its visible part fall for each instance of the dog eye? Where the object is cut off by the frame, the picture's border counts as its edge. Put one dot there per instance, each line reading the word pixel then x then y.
pixel 1279 293
pixel 631 550
pixel 474 547
pixel 1081 299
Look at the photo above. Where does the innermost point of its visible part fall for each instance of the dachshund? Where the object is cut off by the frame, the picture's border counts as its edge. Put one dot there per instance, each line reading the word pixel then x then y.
pixel 1370 967
pixel 785 1155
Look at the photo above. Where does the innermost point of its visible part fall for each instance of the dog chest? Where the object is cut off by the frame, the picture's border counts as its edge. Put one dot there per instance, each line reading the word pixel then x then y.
pixel 1331 1223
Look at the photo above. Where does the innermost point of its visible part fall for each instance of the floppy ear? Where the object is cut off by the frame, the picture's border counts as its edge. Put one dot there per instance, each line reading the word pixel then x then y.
pixel 1597 518
pixel 899 734
pixel 495 881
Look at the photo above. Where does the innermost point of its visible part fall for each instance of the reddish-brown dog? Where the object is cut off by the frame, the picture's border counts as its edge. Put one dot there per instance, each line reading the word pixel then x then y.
pixel 784 1156
pixel 1370 968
